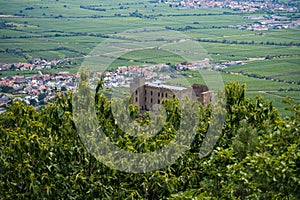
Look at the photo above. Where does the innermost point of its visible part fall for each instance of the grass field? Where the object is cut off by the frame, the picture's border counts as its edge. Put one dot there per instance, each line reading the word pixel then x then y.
pixel 253 84
pixel 43 21
pixel 276 35
pixel 278 68
pixel 223 52
pixel 149 56
pixel 266 89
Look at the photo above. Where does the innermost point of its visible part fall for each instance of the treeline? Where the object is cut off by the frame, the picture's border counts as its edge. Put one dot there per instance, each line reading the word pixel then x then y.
pixel 141 15
pixel 266 78
pixel 20 51
pixel 186 28
pixel 92 8
pixel 59 34
pixel 39 36
pixel 256 157
pixel 270 78
pixel 131 14
pixel 250 42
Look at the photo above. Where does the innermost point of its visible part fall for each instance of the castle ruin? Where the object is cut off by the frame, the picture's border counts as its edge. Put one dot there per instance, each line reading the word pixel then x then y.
pixel 146 94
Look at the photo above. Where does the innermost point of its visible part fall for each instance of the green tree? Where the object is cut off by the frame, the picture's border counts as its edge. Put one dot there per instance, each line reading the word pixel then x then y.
pixel 256 157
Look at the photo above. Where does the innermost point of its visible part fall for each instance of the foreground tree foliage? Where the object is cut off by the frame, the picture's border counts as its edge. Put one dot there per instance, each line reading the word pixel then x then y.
pixel 256 157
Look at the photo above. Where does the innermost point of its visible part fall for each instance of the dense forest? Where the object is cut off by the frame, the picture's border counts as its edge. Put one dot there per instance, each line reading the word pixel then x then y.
pixel 256 157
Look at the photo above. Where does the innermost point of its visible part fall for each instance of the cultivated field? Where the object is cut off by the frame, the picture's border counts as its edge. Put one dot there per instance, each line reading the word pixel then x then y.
pixel 51 29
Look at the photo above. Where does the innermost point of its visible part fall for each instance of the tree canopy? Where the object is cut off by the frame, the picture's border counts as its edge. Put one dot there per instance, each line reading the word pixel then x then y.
pixel 256 157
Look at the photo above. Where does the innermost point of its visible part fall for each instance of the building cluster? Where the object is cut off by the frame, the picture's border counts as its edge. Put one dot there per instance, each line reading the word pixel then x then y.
pixel 269 22
pixel 41 88
pixel 4 100
pixel 202 64
pixel 36 64
pixel 242 6
pixel 123 75
pixel 36 89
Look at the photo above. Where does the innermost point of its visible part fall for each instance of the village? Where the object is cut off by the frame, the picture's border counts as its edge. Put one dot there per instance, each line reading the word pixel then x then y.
pixel 268 22
pixel 242 6
pixel 40 88
pixel 265 22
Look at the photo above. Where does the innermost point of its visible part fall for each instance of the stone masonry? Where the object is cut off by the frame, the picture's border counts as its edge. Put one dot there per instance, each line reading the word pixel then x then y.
pixel 146 94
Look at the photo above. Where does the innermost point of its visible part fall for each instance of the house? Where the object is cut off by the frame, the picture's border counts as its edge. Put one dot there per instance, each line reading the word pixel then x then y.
pixel 147 94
